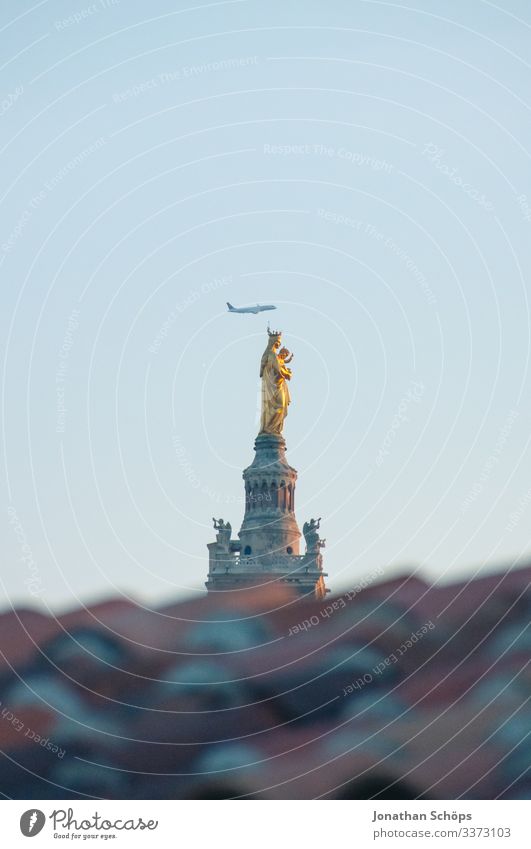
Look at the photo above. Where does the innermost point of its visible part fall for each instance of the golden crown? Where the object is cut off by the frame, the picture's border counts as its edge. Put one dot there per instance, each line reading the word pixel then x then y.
pixel 277 333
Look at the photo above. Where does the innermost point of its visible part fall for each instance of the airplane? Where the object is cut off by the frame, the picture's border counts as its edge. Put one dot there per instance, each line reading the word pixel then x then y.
pixel 256 309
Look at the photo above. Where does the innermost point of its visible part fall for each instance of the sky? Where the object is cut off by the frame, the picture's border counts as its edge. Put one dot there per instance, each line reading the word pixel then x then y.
pixel 365 166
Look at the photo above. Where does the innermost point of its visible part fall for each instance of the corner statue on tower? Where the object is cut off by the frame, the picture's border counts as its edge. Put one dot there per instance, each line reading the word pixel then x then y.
pixel 275 393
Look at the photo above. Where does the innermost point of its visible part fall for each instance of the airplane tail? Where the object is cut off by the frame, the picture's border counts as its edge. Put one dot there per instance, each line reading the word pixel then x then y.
pixel 230 306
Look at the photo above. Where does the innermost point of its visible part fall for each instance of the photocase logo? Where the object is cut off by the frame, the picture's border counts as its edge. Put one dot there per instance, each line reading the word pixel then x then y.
pixel 32 822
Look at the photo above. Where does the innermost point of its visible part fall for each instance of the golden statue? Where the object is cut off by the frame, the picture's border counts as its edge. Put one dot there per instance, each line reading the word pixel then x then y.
pixel 275 393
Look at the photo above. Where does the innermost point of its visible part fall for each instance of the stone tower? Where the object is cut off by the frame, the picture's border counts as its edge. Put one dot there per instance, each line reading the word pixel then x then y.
pixel 268 548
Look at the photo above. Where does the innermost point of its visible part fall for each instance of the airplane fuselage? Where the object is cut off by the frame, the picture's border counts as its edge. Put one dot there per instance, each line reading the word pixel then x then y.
pixel 254 310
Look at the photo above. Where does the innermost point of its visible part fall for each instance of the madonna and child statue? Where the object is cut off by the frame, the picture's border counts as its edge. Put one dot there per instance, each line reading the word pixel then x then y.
pixel 275 373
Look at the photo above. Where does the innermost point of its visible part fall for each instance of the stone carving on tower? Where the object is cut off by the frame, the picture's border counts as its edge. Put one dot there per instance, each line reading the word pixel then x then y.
pixel 268 547
pixel 312 538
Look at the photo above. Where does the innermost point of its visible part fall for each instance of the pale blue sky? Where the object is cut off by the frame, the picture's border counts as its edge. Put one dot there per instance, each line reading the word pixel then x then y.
pixel 365 166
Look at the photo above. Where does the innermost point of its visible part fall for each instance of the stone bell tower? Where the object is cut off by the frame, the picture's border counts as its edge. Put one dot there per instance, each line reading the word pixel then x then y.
pixel 268 548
